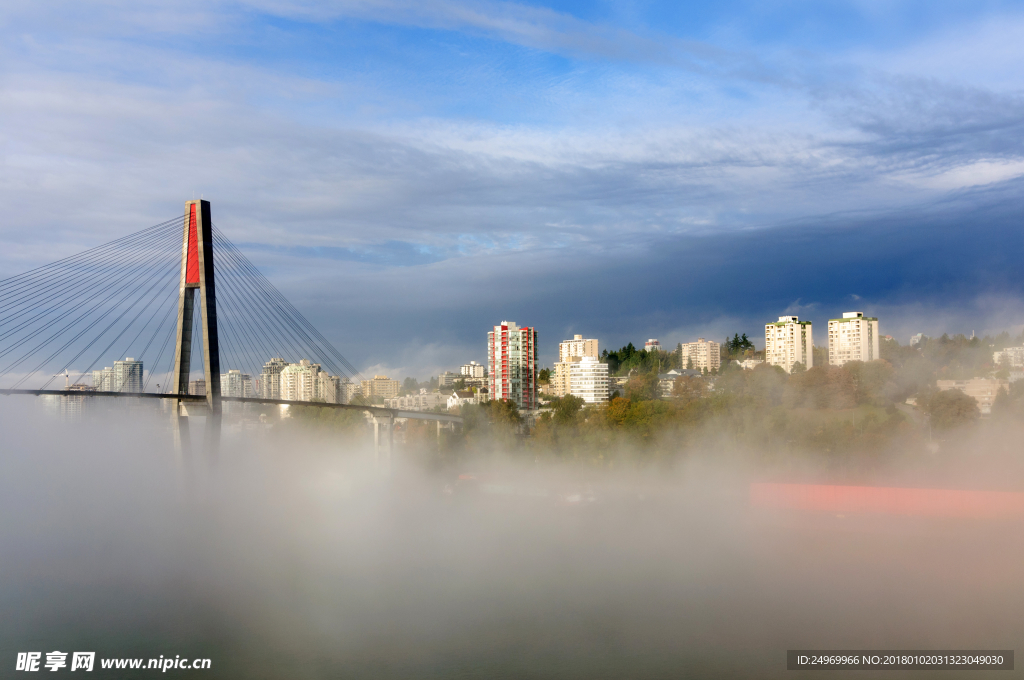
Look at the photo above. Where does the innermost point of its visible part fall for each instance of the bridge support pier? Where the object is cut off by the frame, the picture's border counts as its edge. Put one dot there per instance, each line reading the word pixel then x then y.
pixel 383 438
pixel 197 285
pixel 179 428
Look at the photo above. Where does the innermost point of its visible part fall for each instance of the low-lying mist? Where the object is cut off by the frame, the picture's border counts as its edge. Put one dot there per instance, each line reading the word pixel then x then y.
pixel 284 555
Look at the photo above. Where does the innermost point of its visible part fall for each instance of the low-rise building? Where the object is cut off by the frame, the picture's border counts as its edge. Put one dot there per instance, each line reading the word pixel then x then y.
pixel 1010 357
pixel 748 364
pixel 701 355
pixel 916 339
pixel 427 401
pixel 447 379
pixel 984 390
pixel 461 398
pixel 667 381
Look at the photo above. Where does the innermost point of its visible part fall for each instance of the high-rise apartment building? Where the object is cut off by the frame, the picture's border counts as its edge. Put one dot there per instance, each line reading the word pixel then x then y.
pixel 512 364
pixel 852 338
pixel 788 342
pixel 348 391
pixel 588 379
pixel 123 376
pixel 652 345
pixel 703 355
pixel 381 386
pixel 577 347
pixel 306 381
pixel 471 370
pixel 270 378
pixel 197 388
pixel 569 353
pixel 234 383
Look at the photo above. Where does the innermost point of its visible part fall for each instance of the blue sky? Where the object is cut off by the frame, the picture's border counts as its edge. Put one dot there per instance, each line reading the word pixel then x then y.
pixel 410 173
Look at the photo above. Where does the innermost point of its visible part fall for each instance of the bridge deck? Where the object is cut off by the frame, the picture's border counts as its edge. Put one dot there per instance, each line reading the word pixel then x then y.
pixel 379 410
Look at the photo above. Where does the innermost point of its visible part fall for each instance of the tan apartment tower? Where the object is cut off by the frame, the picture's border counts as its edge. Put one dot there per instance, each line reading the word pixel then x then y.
pixel 701 355
pixel 570 352
pixel 852 338
pixel 789 342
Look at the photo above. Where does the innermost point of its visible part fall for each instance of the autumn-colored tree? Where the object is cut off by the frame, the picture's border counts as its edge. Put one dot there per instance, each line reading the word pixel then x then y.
pixel 950 409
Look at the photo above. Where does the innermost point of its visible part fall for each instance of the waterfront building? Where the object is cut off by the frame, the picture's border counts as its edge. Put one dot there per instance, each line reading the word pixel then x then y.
pixel 306 381
pixel 787 342
pixel 852 338
pixel 701 355
pixel 234 383
pixel 123 376
pixel 512 364
pixel 270 378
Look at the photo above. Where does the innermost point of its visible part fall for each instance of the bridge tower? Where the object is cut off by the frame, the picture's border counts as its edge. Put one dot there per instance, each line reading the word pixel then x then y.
pixel 197 278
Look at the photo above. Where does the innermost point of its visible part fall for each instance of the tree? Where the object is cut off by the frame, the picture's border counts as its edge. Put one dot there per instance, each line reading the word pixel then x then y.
pixel 950 409
pixel 544 377
pixel 410 386
pixel 567 410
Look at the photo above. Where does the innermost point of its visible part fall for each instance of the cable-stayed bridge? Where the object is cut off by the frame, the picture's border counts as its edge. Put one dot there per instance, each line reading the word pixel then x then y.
pixel 176 298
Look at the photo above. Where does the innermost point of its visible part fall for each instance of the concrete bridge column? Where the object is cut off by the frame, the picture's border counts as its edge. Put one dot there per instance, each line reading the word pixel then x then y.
pixel 383 437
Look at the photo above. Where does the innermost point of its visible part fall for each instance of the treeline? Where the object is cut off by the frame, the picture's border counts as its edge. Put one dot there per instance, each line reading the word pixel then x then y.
pixel 832 410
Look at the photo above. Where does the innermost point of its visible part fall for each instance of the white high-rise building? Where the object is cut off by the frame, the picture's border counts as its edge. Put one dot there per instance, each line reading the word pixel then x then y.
pixel 512 364
pixel 577 347
pixel 306 381
pixel 234 383
pixel 348 391
pixel 701 355
pixel 103 379
pixel 852 338
pixel 588 379
pixel 270 378
pixel 471 370
pixel 652 345
pixel 569 353
pixel 788 342
pixel 123 376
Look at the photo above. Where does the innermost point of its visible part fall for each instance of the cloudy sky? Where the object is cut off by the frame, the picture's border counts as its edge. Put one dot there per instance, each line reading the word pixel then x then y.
pixel 411 173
